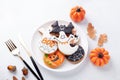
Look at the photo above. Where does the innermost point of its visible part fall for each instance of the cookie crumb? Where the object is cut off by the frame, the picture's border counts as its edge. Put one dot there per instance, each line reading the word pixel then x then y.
pixel 91 31
pixel 102 39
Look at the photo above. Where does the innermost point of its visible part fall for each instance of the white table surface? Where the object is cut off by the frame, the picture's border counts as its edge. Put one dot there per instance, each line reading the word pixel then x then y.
pixel 25 16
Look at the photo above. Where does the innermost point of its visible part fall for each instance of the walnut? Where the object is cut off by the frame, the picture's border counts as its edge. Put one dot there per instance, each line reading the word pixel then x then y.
pixel 14 78
pixel 25 71
pixel 23 78
pixel 102 39
pixel 11 68
pixel 91 31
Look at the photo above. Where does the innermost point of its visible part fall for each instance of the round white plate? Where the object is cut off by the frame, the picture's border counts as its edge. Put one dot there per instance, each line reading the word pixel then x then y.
pixel 66 66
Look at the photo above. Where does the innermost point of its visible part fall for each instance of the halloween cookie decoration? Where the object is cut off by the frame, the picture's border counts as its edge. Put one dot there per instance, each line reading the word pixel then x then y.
pixel 99 56
pixel 64 43
pixel 77 14
pixel 47 45
pixel 56 28
pixel 54 60
pixel 60 42
pixel 77 56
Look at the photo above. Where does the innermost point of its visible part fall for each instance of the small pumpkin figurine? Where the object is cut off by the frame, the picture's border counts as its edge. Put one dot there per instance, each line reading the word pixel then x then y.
pixel 77 14
pixel 99 56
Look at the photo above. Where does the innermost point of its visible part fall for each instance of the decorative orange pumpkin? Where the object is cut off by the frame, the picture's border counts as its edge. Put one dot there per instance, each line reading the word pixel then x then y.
pixel 99 56
pixel 54 60
pixel 77 14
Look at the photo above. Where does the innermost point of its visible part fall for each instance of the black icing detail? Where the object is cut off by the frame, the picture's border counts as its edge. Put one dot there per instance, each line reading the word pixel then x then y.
pixel 79 54
pixel 76 36
pixel 72 45
pixel 55 59
pixel 57 28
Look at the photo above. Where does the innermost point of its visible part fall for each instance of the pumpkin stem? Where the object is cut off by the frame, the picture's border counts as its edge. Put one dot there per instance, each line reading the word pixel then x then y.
pixel 100 55
pixel 78 10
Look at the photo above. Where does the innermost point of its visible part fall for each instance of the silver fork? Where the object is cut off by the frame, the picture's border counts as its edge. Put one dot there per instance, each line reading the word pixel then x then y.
pixel 14 50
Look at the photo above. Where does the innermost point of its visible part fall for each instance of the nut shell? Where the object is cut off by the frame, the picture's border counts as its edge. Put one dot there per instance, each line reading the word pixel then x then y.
pixel 11 68
pixel 25 71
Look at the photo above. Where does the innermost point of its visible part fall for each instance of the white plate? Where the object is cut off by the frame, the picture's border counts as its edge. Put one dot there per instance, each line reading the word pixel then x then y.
pixel 66 66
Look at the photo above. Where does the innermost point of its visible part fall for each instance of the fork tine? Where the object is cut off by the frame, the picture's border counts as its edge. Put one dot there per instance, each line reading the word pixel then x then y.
pixel 8 46
pixel 12 43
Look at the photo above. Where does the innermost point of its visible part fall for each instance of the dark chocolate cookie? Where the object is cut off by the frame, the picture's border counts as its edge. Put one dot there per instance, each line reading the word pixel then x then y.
pixel 77 56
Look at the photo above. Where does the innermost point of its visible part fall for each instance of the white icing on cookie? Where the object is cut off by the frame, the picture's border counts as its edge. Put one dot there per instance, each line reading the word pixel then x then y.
pixel 47 49
pixel 64 43
pixel 47 45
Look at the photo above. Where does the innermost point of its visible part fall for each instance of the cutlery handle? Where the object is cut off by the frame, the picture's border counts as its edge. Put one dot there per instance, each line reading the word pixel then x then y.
pixel 29 68
pixel 36 67
pixel 33 61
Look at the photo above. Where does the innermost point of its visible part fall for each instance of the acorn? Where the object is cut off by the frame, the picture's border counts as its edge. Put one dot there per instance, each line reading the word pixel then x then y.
pixel 11 68
pixel 23 78
pixel 14 78
pixel 25 71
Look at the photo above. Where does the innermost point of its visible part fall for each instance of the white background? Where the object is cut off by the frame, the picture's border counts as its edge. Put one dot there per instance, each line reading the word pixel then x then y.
pixel 25 16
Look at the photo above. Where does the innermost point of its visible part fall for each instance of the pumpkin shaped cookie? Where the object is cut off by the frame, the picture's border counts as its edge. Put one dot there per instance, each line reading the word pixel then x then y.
pixel 99 56
pixel 54 60
pixel 77 14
